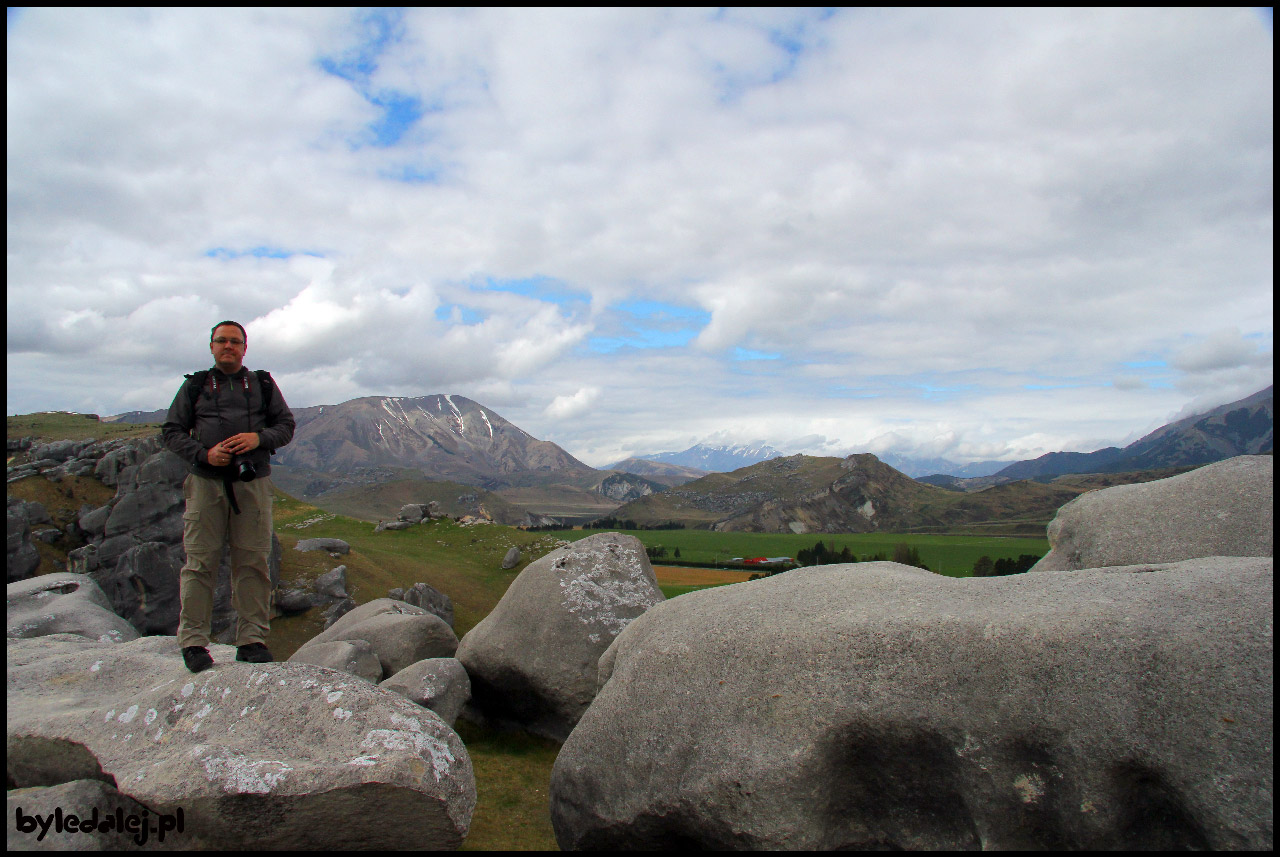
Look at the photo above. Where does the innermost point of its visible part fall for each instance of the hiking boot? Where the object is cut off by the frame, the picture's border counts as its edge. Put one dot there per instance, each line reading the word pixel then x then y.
pixel 197 658
pixel 254 653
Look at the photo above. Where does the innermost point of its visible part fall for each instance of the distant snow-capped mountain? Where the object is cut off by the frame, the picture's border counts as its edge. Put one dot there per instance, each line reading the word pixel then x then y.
pixel 917 467
pixel 724 458
pixel 446 437
pixel 717 458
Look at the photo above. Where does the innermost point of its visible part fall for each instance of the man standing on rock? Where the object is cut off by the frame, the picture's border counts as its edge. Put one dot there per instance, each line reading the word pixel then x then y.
pixel 225 422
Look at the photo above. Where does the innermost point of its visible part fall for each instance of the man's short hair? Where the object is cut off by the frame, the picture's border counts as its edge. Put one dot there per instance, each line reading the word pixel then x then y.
pixel 214 330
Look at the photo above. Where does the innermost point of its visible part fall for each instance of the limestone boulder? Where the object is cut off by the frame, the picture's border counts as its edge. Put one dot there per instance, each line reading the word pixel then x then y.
pixel 400 634
pixel 356 657
pixel 879 706
pixel 143 587
pixel 383 526
pixel 284 756
pixel 21 556
pixel 533 660
pixel 92 802
pixel 333 583
pixel 1222 509
pixel 430 599
pixel 440 684
pixel 63 603
pixel 512 558
pixel 413 513
pixel 337 546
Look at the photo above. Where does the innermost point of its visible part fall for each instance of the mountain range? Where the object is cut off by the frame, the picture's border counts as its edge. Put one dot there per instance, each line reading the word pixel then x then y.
pixel 448 438
pixel 858 494
pixel 710 458
pixel 1244 427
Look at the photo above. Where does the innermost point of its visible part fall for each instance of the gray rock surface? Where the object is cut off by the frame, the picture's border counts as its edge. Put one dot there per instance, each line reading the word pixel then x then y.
pixel 21 557
pixel 356 657
pixel 333 583
pixel 512 559
pixel 399 633
pixel 881 706
pixel 95 806
pixel 258 756
pixel 323 544
pixel 383 526
pixel 63 603
pixel 430 599
pixel 1222 509
pixel 533 660
pixel 440 684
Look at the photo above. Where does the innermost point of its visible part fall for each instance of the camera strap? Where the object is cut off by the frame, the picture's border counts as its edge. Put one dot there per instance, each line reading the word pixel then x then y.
pixel 229 484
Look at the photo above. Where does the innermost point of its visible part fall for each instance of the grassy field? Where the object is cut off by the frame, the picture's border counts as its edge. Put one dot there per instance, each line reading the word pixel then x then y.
pixel 60 425
pixel 950 555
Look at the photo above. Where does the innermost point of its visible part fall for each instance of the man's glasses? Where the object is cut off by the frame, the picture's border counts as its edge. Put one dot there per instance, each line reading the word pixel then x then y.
pixel 222 340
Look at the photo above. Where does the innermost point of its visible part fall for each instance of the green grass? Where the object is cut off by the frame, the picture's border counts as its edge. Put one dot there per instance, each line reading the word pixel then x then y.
pixel 953 556
pixel 513 776
pixel 59 425
pixel 465 563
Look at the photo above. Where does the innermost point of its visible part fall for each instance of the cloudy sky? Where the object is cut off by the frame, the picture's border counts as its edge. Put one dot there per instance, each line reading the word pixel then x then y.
pixel 970 234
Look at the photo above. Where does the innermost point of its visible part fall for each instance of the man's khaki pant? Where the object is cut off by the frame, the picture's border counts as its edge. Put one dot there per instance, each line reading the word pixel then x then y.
pixel 207 523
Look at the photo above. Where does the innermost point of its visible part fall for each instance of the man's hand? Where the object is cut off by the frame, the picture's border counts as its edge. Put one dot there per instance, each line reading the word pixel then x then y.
pixel 238 444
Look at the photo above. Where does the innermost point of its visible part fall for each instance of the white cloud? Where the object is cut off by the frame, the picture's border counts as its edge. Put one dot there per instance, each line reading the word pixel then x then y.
pixel 972 232
pixel 567 407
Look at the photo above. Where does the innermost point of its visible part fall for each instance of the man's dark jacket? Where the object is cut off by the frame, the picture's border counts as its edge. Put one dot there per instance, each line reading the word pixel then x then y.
pixel 221 414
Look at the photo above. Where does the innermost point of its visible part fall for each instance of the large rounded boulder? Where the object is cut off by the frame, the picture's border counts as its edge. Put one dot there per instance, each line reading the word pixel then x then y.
pixel 533 660
pixel 878 706
pixel 277 756
pixel 1222 509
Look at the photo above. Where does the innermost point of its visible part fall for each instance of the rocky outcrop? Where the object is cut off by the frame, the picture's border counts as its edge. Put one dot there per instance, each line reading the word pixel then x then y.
pixel 878 706
pixel 63 603
pixel 532 661
pixel 283 756
pixel 21 556
pixel 133 544
pixel 410 515
pixel 1223 509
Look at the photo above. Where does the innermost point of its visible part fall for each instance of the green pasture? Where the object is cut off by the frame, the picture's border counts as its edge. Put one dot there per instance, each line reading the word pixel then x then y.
pixel 953 556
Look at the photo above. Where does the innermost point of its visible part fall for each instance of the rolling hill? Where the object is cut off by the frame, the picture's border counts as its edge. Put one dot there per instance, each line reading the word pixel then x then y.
pixel 859 494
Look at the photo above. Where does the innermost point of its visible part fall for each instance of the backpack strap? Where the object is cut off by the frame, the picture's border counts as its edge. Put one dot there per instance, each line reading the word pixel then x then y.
pixel 196 385
pixel 265 381
pixel 268 387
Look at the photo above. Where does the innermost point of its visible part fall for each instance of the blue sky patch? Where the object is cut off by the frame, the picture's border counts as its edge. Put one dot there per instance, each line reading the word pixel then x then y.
pixel 645 324
pixel 538 287
pixel 740 353
pixel 261 252
pixel 378 30
pixel 641 338
pixel 458 313
pixel 659 311
pixel 412 174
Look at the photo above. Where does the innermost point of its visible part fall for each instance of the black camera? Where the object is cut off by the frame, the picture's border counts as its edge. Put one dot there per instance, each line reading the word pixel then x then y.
pixel 246 471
